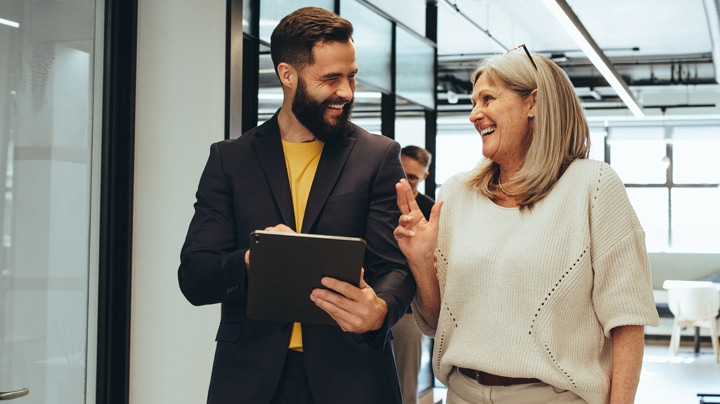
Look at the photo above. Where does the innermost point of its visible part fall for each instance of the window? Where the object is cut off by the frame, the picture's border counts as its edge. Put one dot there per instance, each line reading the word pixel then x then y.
pixel 638 155
pixel 672 175
pixel 695 219
pixel 651 207
pixel 695 159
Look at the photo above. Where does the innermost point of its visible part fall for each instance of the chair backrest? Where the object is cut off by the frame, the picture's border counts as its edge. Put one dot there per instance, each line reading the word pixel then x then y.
pixel 702 302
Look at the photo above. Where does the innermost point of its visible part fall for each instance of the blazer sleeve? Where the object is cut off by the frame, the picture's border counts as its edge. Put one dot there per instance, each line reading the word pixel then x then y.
pixel 212 268
pixel 386 268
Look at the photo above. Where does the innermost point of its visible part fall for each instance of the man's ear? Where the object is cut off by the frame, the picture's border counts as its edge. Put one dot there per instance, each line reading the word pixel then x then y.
pixel 287 75
pixel 426 175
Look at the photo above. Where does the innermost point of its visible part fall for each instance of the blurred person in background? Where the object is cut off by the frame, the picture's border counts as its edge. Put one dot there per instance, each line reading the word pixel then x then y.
pixel 407 338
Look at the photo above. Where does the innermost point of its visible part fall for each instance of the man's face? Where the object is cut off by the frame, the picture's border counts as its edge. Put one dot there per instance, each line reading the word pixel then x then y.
pixel 415 171
pixel 324 98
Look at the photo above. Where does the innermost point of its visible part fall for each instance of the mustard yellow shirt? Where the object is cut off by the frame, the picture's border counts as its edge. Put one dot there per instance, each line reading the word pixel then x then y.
pixel 301 161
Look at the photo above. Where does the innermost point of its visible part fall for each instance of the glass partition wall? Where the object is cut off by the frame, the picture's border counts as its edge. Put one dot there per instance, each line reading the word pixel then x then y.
pixel 47 60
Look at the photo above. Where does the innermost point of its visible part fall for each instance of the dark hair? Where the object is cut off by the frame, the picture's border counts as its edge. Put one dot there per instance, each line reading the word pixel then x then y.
pixel 293 39
pixel 417 153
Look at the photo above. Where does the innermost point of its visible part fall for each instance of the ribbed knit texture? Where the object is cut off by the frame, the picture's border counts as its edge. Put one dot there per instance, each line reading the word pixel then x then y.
pixel 536 293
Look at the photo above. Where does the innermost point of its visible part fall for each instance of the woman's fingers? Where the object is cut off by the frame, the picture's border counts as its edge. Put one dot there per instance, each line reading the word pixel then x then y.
pixel 401 232
pixel 402 198
pixel 405 197
pixel 435 212
pixel 405 220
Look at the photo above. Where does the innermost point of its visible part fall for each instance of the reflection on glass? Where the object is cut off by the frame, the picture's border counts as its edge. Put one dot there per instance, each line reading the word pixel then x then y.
pixel 269 92
pixel 46 82
pixel 247 17
pixel 373 43
pixel 271 12
pixel 398 10
pixel 415 65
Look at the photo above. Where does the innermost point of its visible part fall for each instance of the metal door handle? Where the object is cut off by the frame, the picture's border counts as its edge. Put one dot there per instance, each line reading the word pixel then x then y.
pixel 9 395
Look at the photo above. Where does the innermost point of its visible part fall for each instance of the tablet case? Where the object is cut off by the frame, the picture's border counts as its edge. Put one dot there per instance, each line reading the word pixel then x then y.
pixel 286 267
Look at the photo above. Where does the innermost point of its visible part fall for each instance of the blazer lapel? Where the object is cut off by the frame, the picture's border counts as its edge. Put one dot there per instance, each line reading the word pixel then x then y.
pixel 269 152
pixel 330 167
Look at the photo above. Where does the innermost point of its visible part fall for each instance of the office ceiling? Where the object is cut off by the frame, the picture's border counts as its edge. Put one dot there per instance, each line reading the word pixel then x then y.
pixel 667 51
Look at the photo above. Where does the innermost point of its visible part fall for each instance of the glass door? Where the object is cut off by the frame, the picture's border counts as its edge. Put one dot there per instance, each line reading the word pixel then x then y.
pixel 46 139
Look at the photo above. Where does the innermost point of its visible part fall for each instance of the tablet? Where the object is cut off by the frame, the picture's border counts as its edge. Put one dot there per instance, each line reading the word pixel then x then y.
pixel 286 267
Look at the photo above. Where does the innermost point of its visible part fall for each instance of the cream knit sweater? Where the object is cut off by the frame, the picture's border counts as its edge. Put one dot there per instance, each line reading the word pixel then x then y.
pixel 536 294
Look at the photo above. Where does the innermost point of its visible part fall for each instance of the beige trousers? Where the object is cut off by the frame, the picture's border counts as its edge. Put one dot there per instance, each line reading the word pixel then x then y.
pixel 464 390
pixel 407 344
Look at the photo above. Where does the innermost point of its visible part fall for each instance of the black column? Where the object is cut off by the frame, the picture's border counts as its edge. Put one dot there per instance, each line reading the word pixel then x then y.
pixel 116 202
pixel 431 32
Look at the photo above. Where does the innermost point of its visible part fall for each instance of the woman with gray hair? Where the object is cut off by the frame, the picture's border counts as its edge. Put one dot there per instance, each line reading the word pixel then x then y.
pixel 535 281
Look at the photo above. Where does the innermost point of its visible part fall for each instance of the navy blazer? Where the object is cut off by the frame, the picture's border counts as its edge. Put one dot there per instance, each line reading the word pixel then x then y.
pixel 245 187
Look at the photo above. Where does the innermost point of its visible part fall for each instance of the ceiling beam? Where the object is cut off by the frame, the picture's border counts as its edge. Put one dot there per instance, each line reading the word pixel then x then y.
pixel 567 18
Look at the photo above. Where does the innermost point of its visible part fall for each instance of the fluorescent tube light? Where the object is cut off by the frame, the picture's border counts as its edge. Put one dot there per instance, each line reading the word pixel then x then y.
pixel 711 9
pixel 567 18
pixel 9 23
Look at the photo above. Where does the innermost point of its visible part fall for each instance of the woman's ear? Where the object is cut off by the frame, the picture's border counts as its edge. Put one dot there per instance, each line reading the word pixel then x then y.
pixel 533 103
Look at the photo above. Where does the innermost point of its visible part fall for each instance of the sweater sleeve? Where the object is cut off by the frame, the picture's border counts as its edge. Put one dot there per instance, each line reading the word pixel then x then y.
pixel 441 252
pixel 441 272
pixel 622 292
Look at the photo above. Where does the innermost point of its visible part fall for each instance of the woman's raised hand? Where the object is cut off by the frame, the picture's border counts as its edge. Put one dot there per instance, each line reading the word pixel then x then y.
pixel 416 236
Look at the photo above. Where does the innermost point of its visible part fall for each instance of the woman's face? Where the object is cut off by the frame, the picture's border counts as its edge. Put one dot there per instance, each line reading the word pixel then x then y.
pixel 502 118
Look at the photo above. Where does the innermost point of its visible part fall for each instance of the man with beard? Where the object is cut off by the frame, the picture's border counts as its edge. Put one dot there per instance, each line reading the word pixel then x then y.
pixel 310 170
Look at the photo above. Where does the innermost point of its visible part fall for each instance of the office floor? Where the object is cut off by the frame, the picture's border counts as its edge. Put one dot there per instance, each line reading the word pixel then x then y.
pixel 678 379
pixel 664 379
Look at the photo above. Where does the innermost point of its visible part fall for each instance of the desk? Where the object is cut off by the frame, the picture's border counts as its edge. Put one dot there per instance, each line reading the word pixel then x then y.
pixel 670 283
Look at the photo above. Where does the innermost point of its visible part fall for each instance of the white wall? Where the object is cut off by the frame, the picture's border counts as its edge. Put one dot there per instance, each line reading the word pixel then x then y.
pixel 180 111
pixel 680 266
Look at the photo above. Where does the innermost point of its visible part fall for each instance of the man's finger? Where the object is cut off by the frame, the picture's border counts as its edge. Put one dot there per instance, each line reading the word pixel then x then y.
pixel 363 284
pixel 340 287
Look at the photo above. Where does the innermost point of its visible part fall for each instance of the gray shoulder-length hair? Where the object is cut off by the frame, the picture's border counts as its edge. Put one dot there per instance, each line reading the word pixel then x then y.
pixel 559 132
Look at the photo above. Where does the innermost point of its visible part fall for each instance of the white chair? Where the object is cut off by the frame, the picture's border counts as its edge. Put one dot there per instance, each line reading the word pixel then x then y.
pixel 696 306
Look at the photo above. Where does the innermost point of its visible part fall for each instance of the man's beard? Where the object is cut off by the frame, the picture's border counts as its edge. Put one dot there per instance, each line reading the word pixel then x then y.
pixel 311 114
